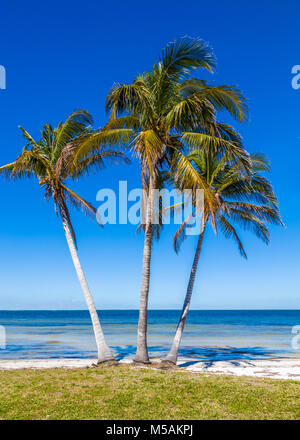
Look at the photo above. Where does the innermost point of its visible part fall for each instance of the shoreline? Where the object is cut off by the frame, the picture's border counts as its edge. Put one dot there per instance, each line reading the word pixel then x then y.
pixel 273 368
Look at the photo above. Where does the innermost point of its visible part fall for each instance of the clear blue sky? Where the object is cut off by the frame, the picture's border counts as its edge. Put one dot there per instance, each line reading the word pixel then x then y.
pixel 64 55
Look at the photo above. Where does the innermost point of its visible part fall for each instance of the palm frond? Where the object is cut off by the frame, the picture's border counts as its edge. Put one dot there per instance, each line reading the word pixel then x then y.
pixel 252 223
pixel 190 112
pixel 230 232
pixel 97 162
pixel 7 170
pixel 181 235
pixel 266 214
pixel 75 125
pixel 185 54
pixel 187 173
pixel 215 144
pixel 128 121
pixel 29 138
pixel 128 97
pixel 260 163
pixel 224 97
pixel 79 203
pixel 98 142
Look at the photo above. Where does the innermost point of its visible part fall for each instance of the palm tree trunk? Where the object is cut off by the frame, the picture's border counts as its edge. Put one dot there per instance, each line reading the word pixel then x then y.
pixel 173 354
pixel 104 353
pixel 142 350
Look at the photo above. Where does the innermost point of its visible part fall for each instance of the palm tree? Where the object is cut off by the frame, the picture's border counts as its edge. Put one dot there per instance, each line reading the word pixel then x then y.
pixel 230 194
pixel 52 160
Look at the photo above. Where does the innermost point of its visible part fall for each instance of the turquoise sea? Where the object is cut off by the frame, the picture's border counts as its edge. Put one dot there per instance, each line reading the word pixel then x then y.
pixel 213 335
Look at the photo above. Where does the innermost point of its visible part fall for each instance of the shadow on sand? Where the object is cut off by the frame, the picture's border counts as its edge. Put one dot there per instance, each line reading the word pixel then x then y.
pixel 206 355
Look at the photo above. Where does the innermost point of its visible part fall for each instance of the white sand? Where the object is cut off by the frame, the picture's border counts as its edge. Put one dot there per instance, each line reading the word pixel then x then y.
pixel 279 368
pixel 42 364
pixel 273 368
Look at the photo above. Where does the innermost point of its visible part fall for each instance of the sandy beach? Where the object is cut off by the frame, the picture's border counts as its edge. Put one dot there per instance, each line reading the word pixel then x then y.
pixel 277 368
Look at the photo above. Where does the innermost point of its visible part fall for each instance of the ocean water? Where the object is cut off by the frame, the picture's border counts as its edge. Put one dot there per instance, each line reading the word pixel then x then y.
pixel 209 335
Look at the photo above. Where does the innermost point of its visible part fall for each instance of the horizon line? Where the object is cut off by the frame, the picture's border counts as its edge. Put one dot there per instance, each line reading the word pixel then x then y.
pixel 172 309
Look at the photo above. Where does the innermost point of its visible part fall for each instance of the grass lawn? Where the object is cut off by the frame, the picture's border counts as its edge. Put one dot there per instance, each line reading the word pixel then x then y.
pixel 126 392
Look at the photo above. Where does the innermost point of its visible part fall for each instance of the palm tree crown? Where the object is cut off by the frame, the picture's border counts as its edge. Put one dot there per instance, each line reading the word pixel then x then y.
pixel 232 195
pixel 165 110
pixel 44 159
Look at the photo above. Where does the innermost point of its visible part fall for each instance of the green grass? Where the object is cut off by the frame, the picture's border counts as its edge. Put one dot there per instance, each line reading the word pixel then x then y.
pixel 126 392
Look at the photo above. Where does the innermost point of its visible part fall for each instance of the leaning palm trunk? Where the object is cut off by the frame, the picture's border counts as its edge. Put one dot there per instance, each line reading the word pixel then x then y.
pixel 104 353
pixel 142 350
pixel 173 354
